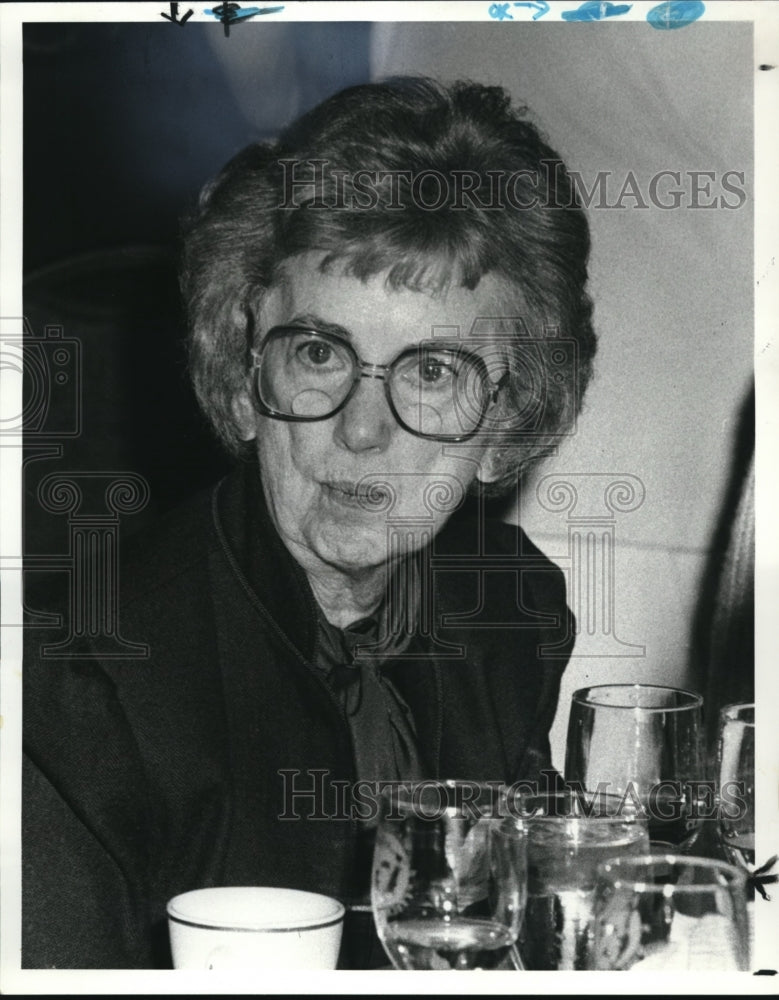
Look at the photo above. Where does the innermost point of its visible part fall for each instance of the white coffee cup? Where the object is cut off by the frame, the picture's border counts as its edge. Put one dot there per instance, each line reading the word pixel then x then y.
pixel 251 927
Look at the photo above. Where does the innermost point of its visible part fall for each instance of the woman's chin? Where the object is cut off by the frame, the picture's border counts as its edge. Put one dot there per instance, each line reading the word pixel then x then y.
pixel 352 549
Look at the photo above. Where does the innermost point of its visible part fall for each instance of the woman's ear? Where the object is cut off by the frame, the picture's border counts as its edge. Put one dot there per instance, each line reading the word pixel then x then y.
pixel 245 415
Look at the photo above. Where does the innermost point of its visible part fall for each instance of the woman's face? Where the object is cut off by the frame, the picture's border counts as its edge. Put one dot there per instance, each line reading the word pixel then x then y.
pixel 311 471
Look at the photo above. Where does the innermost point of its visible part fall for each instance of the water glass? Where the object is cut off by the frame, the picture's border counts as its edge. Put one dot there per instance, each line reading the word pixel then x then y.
pixel 736 772
pixel 568 836
pixel 671 913
pixel 449 876
pixel 643 741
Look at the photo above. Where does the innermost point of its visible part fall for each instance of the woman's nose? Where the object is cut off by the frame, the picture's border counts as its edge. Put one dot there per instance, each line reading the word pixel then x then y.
pixel 366 422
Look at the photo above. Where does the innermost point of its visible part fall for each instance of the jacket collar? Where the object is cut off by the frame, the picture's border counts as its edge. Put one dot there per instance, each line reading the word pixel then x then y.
pixel 279 590
pixel 261 560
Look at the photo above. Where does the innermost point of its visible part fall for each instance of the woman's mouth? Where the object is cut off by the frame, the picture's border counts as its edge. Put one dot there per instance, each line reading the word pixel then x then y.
pixel 370 496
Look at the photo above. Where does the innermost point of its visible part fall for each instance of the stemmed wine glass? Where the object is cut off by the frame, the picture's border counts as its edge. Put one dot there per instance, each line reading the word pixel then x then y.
pixel 449 876
pixel 736 773
pixel 643 742
pixel 670 913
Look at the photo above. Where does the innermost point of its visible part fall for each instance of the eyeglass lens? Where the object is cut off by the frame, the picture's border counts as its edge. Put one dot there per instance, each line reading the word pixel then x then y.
pixel 434 391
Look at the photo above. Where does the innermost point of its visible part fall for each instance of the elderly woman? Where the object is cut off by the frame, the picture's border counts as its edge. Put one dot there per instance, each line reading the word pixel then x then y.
pixel 389 323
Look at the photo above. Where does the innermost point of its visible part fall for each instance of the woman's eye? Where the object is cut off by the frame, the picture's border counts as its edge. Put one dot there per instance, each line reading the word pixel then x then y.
pixel 318 354
pixel 434 371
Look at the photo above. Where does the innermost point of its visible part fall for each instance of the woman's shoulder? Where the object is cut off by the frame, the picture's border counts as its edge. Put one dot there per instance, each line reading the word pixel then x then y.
pixel 477 533
pixel 496 547
pixel 170 548
pixel 109 604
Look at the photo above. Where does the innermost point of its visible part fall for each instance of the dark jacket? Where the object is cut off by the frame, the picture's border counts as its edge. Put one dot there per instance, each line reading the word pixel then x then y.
pixel 148 777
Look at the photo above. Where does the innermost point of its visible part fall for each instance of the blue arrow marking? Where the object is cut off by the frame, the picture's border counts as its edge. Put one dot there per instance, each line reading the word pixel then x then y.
pixel 596 10
pixel 542 7
pixel 240 14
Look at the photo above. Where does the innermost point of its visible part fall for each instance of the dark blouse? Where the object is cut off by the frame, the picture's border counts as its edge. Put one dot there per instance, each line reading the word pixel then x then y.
pixel 382 727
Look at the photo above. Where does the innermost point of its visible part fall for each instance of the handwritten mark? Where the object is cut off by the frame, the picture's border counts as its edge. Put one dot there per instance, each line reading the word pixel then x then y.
pixel 765 66
pixel 760 877
pixel 541 7
pixel 174 15
pixel 675 14
pixel 233 13
pixel 500 11
pixel 596 10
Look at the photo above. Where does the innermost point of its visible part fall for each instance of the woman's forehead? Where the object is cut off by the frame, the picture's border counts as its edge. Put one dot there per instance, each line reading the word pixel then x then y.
pixel 307 294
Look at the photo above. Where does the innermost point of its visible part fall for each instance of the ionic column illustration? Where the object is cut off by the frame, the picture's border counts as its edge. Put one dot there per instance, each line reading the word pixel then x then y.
pixel 93 559
pixel 41 409
pixel 591 502
pixel 412 533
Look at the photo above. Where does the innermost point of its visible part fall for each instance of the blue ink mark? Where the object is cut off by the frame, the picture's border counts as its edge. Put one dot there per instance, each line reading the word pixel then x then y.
pixel 675 14
pixel 232 13
pixel 596 10
pixel 500 11
pixel 542 7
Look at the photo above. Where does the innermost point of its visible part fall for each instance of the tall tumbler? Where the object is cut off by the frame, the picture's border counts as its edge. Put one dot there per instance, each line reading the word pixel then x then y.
pixel 568 836
pixel 643 742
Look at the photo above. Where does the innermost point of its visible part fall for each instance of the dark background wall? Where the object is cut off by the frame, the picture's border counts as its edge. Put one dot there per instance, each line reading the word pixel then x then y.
pixel 123 123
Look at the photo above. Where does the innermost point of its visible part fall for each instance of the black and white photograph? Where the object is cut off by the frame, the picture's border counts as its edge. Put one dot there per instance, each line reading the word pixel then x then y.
pixel 388 442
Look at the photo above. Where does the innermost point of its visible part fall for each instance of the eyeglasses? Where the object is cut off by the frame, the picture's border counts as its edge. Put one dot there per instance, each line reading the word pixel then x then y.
pixel 437 392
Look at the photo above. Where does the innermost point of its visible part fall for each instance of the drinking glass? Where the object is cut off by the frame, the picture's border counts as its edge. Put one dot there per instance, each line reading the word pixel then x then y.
pixel 736 767
pixel 671 913
pixel 568 835
pixel 643 742
pixel 449 876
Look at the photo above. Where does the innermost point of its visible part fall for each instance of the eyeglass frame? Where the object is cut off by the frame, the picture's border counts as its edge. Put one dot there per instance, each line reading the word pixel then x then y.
pixel 363 369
